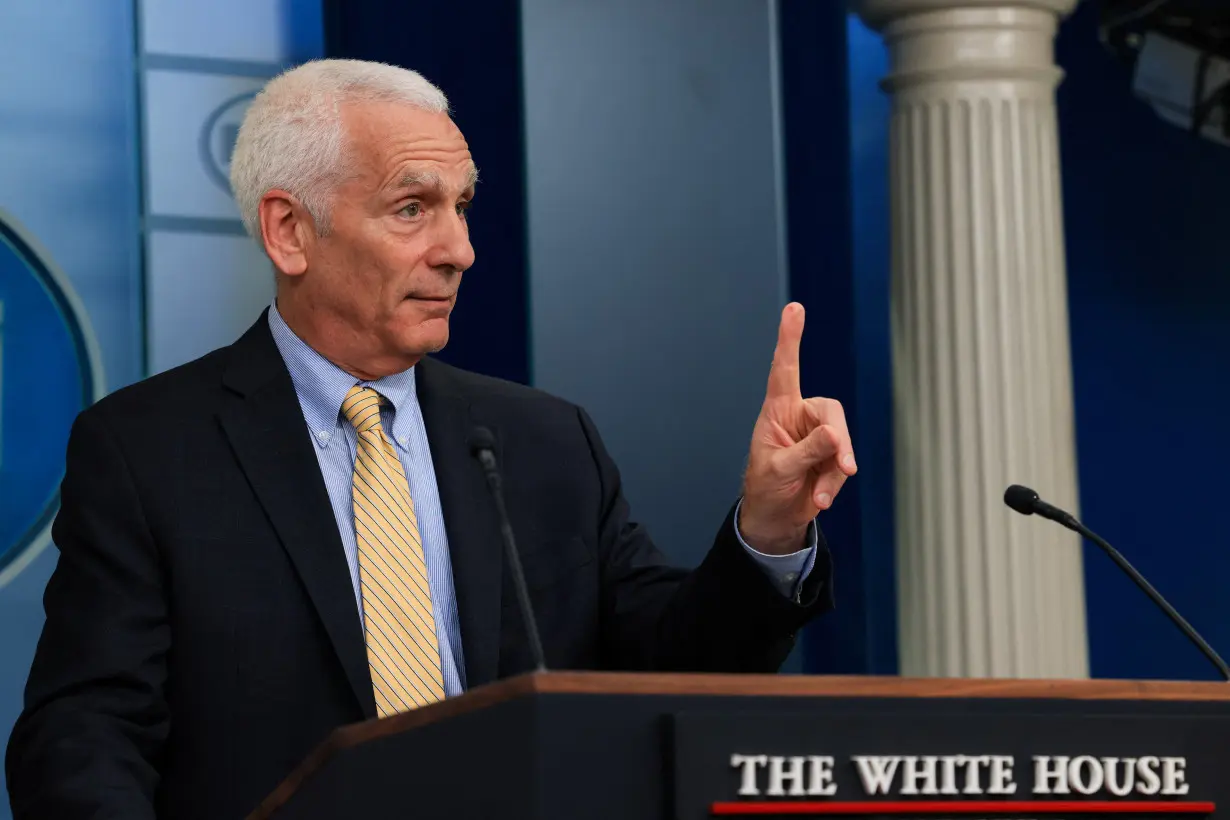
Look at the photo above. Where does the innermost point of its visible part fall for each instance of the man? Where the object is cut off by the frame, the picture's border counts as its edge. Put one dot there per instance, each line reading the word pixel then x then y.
pixel 233 586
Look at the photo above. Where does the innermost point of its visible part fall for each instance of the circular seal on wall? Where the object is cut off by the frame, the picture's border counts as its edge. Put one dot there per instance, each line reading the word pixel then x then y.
pixel 218 135
pixel 50 370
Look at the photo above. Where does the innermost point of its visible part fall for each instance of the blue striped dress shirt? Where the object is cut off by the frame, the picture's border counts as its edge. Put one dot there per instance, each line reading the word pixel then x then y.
pixel 321 387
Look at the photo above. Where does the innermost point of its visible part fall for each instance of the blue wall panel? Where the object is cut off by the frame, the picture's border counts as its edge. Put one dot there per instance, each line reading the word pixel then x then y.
pixel 69 174
pixel 658 267
pixel 201 65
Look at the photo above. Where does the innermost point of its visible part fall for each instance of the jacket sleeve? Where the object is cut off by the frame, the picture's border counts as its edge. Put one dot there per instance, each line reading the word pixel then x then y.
pixel 95 717
pixel 724 616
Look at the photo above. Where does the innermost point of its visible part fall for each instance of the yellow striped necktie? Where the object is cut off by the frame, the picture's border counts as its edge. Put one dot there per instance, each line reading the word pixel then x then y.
pixel 398 621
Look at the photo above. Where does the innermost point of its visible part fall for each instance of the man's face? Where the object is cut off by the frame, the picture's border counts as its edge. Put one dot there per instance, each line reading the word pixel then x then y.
pixel 389 268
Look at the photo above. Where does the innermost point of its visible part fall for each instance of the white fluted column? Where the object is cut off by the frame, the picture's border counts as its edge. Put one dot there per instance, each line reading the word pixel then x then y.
pixel 981 360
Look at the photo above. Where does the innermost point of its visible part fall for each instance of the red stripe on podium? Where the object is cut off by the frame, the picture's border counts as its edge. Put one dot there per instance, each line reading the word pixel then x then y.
pixel 963 807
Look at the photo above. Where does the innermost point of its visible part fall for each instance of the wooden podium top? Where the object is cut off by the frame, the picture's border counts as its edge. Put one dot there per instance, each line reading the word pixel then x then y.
pixel 622 683
pixel 846 686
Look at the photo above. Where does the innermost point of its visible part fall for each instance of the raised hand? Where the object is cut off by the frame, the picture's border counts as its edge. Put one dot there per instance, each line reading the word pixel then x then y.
pixel 800 454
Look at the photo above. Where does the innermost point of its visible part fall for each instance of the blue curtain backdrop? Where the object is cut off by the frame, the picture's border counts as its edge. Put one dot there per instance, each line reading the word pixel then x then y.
pixel 833 112
pixel 1146 211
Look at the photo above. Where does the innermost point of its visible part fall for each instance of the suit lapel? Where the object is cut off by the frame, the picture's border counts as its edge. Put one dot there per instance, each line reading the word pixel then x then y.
pixel 469 518
pixel 264 424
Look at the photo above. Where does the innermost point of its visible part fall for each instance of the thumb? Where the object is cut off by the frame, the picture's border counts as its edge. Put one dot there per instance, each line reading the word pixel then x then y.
pixel 820 445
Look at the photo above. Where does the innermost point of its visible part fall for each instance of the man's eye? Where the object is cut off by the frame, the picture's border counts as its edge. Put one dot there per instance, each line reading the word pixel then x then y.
pixel 462 207
pixel 412 209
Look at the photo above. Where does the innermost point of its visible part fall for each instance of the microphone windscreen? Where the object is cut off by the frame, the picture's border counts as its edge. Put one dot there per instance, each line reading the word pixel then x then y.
pixel 481 438
pixel 1021 499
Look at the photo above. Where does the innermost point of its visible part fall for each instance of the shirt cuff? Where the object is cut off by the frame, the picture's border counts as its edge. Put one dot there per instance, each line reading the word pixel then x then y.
pixel 786 572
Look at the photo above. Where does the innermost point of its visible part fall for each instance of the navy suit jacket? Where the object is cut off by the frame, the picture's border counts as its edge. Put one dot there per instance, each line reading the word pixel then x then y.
pixel 202 634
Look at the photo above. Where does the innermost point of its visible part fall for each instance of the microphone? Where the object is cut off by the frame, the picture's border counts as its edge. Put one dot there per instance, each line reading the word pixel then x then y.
pixel 1026 502
pixel 482 447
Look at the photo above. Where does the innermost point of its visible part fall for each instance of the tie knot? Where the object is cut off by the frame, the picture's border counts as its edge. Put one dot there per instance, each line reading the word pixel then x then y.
pixel 362 408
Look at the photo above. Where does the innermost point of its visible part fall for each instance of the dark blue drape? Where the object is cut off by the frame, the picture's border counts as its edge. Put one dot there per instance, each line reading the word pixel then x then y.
pixel 474 55
pixel 860 635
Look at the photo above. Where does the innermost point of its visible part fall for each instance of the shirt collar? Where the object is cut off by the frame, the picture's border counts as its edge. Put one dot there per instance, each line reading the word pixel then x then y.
pixel 322 386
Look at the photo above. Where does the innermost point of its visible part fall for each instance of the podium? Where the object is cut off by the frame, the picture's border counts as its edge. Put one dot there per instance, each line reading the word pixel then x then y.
pixel 575 745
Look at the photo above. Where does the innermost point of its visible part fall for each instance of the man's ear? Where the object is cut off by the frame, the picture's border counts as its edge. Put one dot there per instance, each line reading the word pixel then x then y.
pixel 286 229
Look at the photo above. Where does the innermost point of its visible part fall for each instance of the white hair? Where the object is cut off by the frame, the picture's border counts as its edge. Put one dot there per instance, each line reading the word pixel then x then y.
pixel 292 136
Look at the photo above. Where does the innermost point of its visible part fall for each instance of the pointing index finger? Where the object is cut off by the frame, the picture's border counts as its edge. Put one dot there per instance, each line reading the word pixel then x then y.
pixel 784 374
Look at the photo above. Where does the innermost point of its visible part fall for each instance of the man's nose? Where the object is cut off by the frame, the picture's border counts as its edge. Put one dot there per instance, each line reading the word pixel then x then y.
pixel 452 248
